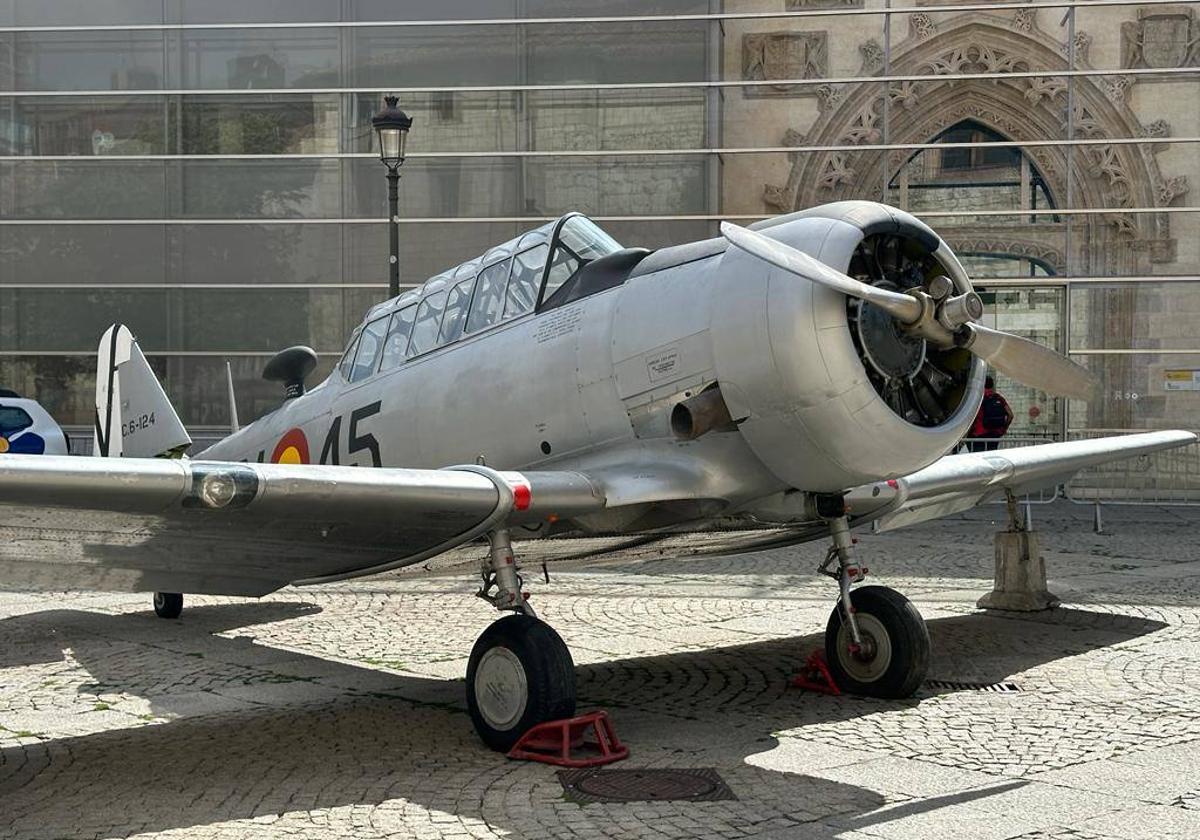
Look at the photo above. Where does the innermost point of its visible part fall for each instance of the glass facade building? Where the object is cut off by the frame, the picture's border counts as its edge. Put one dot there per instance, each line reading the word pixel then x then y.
pixel 204 170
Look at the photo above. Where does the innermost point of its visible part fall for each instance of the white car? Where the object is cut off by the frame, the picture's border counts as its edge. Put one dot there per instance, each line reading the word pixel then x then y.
pixel 28 429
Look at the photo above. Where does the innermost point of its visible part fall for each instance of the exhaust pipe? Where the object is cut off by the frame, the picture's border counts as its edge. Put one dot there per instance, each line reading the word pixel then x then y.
pixel 701 414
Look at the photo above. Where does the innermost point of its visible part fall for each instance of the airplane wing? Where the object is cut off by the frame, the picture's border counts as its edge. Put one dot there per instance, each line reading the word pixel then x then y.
pixel 155 525
pixel 958 482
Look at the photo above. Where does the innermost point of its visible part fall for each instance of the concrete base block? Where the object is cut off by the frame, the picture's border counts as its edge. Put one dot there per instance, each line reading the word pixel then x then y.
pixel 1020 575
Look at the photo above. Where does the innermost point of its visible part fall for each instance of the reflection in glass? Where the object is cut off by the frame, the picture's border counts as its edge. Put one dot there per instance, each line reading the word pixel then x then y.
pixel 128 60
pixel 258 125
pixel 259 59
pixel 526 277
pixel 485 308
pixel 235 189
pixel 370 345
pixel 425 329
pixel 456 310
pixel 397 337
pixel 1036 314
pixel 579 241
pixel 969 179
pixel 84 126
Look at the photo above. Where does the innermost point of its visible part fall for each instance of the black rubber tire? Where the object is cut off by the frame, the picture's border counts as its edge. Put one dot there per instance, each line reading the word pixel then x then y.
pixel 908 639
pixel 168 604
pixel 549 675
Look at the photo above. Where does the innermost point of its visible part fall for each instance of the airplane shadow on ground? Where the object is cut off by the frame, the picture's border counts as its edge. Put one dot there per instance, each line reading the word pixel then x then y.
pixel 308 733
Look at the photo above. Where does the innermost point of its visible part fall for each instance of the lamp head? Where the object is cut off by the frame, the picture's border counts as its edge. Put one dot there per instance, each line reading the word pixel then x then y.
pixel 392 125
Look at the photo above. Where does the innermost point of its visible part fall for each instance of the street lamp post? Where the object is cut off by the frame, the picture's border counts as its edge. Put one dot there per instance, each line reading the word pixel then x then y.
pixel 392 125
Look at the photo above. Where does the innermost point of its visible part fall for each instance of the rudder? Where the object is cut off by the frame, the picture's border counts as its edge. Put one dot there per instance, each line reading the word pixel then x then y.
pixel 134 417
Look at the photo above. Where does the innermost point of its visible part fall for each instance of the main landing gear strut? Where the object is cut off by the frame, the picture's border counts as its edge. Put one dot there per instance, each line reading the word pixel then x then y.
pixel 520 672
pixel 876 643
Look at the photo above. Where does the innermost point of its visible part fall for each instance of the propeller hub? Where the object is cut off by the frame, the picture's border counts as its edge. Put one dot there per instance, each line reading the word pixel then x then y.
pixel 893 351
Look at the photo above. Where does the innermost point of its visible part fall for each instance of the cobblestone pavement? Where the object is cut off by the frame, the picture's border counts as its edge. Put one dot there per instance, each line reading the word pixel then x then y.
pixel 338 711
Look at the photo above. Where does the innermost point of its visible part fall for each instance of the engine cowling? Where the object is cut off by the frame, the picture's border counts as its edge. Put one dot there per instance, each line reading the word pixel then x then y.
pixel 829 392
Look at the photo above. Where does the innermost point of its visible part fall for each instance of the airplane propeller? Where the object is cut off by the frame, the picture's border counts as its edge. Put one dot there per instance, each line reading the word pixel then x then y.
pixel 935 315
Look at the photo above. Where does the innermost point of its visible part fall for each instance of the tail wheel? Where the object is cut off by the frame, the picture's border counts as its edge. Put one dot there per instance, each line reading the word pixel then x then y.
pixel 168 604
pixel 520 674
pixel 894 655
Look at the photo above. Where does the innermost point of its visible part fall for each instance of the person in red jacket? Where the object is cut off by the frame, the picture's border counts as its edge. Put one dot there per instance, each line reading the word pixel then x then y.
pixel 992 420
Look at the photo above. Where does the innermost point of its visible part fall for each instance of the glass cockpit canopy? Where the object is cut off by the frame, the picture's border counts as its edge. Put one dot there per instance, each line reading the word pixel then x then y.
pixel 573 241
pixel 510 280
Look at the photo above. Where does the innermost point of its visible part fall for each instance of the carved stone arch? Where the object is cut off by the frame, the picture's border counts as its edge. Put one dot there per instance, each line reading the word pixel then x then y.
pixel 1104 175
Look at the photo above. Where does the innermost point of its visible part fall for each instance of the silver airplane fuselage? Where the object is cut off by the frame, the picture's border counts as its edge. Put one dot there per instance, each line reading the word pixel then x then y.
pixel 591 386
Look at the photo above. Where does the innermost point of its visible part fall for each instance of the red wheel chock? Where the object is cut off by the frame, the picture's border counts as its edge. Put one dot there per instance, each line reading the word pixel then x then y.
pixel 816 676
pixel 554 741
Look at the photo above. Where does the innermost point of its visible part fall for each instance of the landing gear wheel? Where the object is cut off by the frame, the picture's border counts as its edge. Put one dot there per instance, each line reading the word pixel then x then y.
pixel 168 604
pixel 894 654
pixel 520 674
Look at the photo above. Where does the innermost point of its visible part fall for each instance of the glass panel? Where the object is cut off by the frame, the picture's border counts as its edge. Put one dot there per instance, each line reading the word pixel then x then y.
pixel 13 419
pixel 261 188
pixel 75 13
pixel 379 10
pixel 562 267
pixel 445 121
pixel 1142 316
pixel 425 329
pixel 85 254
pixel 347 361
pixel 196 386
pixel 621 119
pixel 251 11
pixel 294 124
pixel 259 58
pixel 646 51
pixel 426 249
pixel 456 310
pixel 370 344
pixel 579 241
pixel 526 277
pixel 84 126
pixel 73 319
pixel 397 337
pixel 440 188
pixel 226 320
pixel 248 254
pixel 969 179
pixel 436 56
pixel 668 186
pixel 1139 391
pixel 93 189
pixel 1035 314
pixel 489 297
pixel 130 60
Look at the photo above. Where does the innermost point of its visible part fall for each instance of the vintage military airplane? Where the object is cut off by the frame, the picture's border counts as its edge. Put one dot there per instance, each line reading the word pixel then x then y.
pixel 786 381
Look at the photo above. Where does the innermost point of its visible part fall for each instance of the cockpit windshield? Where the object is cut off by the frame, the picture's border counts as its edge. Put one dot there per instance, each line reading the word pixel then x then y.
pixel 577 242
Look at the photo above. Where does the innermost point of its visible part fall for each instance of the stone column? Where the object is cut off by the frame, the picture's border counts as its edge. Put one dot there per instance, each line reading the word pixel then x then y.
pixel 1020 583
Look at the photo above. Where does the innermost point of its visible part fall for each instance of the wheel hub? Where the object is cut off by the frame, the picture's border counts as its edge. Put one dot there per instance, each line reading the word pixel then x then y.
pixel 868 660
pixel 501 688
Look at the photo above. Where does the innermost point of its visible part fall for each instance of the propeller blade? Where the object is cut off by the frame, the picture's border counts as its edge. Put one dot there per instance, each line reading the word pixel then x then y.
pixel 1030 363
pixel 905 308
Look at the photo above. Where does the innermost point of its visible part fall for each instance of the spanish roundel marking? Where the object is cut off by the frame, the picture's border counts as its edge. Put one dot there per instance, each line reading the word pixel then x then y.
pixel 291 449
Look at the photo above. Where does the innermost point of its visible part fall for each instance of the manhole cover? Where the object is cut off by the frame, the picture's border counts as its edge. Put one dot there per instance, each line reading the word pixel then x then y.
pixel 956 685
pixel 647 785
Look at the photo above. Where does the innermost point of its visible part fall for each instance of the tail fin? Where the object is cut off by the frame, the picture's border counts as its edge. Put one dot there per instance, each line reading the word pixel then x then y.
pixel 134 418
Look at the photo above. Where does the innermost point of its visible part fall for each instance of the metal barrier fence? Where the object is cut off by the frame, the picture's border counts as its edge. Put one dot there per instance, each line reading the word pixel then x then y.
pixel 1171 477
